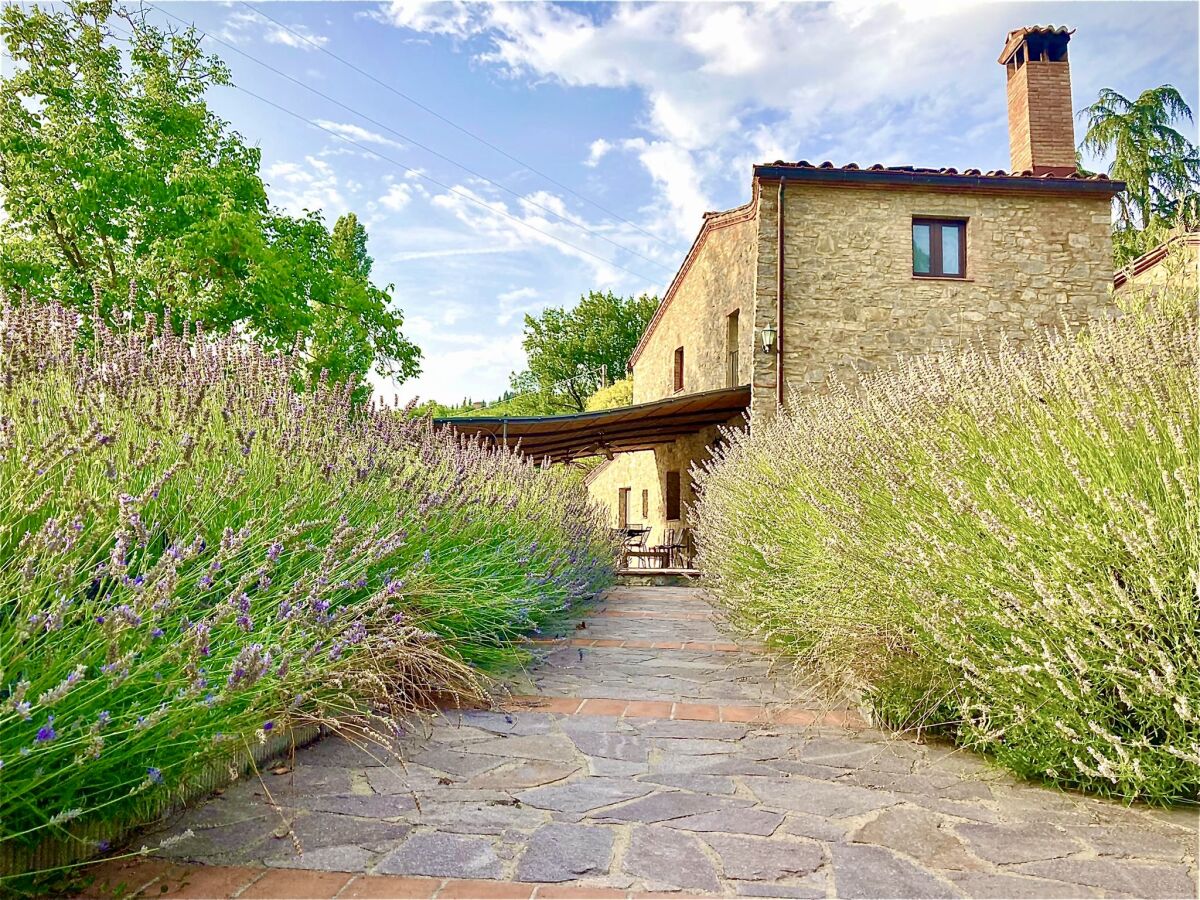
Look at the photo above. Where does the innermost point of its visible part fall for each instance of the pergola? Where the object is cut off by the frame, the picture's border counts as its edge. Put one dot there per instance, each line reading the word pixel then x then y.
pixel 607 432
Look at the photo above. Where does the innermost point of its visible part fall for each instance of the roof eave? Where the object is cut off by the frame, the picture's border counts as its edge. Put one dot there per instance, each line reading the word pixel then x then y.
pixel 1006 183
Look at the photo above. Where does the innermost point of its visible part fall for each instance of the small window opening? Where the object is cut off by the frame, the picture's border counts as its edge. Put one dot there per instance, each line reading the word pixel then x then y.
pixel 679 368
pixel 673 498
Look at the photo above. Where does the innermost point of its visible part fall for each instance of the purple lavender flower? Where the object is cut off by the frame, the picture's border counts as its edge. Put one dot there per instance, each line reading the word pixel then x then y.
pixel 155 775
pixel 46 733
pixel 267 726
pixel 157 633
pixel 104 718
pixel 273 551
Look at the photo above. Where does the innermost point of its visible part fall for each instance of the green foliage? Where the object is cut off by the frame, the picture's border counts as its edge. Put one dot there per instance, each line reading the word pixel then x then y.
pixel 123 191
pixel 570 351
pixel 1000 545
pixel 1159 166
pixel 193 553
pixel 619 393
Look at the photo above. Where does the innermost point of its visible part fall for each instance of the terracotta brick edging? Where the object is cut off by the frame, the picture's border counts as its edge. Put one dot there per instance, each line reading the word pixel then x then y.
pixel 159 878
pixel 693 712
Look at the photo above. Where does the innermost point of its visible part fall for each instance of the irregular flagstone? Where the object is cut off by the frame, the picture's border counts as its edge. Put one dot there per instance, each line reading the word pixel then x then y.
pixel 987 885
pixel 552 747
pixel 661 807
pixel 524 774
pixel 610 745
pixel 584 796
pixel 730 821
pixel 697 746
pixel 456 762
pixel 703 784
pixel 443 855
pixel 804 825
pixel 669 860
pixel 1027 842
pixel 401 780
pixel 761 859
pixel 818 797
pixel 1140 880
pixel 1127 843
pixel 318 830
pixel 371 807
pixel 566 852
pixel 309 780
pixel 619 794
pixel 479 818
pixel 675 729
pixel 602 766
pixel 918 833
pixel 867 872
pixel 508 723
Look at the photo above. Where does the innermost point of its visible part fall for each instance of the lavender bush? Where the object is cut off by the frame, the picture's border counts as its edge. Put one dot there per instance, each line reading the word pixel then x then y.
pixel 1000 545
pixel 194 555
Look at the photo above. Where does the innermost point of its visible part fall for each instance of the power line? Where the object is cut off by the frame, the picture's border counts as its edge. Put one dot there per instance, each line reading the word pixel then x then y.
pixel 417 143
pixel 419 174
pixel 456 126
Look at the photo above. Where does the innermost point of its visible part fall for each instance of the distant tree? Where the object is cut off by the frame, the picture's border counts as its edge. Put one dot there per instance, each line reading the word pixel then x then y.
pixel 123 191
pixel 619 393
pixel 571 350
pixel 1160 167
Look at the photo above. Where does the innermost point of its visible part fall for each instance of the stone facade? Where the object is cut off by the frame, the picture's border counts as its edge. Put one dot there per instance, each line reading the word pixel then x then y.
pixel 846 299
pixel 715 282
pixel 1034 258
pixel 852 303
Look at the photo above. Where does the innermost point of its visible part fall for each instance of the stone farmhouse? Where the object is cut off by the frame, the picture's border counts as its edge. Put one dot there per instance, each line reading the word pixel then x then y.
pixel 832 270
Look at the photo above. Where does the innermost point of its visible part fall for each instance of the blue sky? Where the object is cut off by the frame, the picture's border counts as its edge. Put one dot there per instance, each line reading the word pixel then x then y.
pixel 652 112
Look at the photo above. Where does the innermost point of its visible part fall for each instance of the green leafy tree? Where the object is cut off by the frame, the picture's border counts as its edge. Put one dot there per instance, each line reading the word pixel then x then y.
pixel 1160 167
pixel 122 191
pixel 571 351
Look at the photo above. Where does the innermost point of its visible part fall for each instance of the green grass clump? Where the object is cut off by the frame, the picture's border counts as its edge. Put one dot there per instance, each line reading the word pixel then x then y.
pixel 194 556
pixel 1000 545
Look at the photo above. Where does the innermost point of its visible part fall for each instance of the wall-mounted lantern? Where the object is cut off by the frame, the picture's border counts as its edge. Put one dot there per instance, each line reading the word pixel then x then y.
pixel 767 336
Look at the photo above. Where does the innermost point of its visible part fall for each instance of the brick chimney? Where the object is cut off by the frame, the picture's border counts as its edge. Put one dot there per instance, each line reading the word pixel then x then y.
pixel 1041 126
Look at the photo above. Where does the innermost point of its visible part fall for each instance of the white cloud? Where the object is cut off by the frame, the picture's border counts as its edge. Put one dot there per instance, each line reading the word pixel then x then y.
pixel 447 18
pixel 597 151
pixel 356 133
pixel 527 226
pixel 397 197
pixel 244 26
pixel 310 185
pixel 727 85
pixel 517 302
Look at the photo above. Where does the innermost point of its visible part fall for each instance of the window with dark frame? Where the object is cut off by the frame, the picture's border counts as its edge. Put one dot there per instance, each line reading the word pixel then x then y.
pixel 673 504
pixel 679 368
pixel 939 248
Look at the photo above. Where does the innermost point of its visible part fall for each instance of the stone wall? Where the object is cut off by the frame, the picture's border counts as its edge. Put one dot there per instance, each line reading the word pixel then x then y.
pixel 853 304
pixel 717 281
pixel 647 470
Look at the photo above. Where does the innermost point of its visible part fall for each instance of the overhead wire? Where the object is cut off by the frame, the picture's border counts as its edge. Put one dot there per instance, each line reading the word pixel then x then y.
pixel 404 137
pixel 417 173
pixel 468 132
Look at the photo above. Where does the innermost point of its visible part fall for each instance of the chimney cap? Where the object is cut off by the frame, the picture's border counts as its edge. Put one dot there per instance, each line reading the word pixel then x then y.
pixel 1016 37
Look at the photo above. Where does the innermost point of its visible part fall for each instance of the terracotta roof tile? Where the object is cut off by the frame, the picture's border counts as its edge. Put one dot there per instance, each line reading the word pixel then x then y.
pixel 918 170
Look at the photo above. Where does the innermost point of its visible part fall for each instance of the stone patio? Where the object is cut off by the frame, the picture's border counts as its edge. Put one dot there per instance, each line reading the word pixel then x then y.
pixel 659 765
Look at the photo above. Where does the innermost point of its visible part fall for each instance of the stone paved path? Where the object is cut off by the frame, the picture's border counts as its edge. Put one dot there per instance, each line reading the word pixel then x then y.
pixel 651 754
